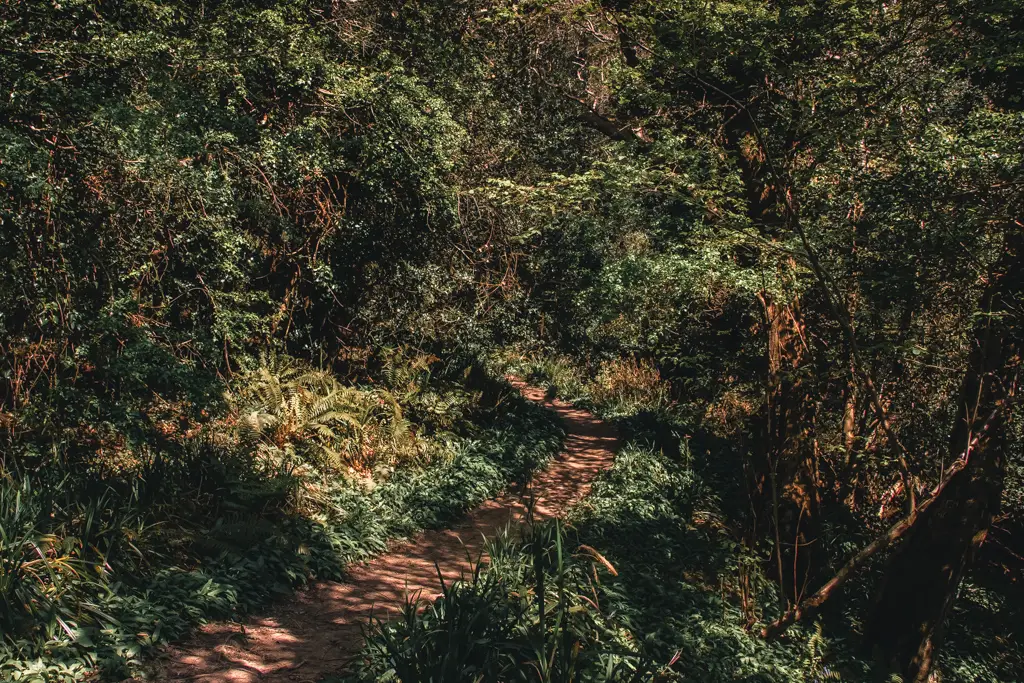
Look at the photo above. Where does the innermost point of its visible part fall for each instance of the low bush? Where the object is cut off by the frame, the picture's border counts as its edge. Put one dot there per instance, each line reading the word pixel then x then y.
pixel 683 576
pixel 615 388
pixel 628 386
pixel 291 413
pixel 558 374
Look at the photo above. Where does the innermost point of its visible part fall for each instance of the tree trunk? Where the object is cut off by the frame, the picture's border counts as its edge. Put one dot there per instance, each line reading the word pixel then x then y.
pixel 924 574
pixel 784 477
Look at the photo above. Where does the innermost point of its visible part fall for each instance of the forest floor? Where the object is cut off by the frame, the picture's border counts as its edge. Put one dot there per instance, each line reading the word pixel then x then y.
pixel 320 629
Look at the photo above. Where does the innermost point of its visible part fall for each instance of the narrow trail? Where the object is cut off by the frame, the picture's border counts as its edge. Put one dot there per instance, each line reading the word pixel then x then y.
pixel 318 630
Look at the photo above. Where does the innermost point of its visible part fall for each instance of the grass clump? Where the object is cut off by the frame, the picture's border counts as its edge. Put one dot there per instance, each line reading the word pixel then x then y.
pixel 629 386
pixel 531 614
pixel 613 388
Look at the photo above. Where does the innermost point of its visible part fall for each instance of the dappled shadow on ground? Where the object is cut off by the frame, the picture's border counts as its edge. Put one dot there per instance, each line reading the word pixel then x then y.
pixel 318 630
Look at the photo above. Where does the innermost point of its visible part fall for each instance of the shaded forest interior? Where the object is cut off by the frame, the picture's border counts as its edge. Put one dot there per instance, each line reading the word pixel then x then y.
pixel 266 264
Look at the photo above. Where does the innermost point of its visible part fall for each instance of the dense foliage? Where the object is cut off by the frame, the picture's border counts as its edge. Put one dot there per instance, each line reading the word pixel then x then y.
pixel 261 262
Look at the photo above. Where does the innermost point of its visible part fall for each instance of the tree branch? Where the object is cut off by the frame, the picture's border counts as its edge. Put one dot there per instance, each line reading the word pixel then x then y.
pixel 810 606
pixel 609 127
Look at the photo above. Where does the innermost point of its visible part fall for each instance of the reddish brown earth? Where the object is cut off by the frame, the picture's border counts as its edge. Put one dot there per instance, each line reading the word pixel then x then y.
pixel 318 630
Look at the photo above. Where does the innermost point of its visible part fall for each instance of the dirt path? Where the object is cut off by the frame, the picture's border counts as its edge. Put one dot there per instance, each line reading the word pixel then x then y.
pixel 318 630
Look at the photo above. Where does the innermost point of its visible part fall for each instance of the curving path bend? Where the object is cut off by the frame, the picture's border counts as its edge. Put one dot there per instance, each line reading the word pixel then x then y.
pixel 318 630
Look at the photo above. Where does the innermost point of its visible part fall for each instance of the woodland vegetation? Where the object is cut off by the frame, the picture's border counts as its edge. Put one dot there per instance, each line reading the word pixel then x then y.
pixel 265 263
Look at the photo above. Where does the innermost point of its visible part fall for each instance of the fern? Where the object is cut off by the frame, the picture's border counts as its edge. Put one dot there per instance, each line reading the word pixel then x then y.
pixel 287 411
pixel 818 671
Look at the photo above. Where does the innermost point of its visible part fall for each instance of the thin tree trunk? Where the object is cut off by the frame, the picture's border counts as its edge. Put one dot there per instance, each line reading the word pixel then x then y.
pixel 785 494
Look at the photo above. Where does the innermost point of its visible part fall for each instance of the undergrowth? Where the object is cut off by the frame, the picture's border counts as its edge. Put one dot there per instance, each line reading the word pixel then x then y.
pixel 679 577
pixel 636 587
pixel 97 570
pixel 646 587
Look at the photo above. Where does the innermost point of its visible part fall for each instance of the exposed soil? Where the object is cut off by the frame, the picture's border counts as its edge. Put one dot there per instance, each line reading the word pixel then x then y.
pixel 318 630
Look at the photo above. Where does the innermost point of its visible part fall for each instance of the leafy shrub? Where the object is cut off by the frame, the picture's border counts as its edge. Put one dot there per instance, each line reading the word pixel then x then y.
pixel 682 576
pixel 437 398
pixel 559 374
